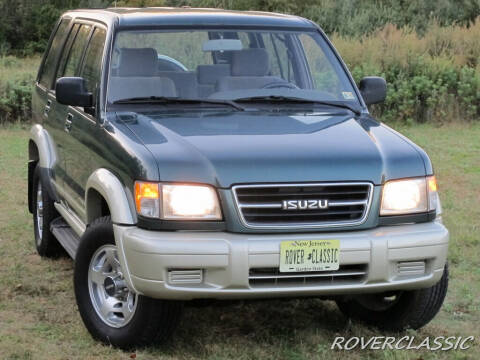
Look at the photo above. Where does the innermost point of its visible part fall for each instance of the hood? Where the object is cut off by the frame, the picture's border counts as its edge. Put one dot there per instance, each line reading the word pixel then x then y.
pixel 227 148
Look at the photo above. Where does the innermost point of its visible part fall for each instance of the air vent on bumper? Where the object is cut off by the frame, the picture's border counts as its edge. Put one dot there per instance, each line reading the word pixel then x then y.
pixel 411 268
pixel 184 276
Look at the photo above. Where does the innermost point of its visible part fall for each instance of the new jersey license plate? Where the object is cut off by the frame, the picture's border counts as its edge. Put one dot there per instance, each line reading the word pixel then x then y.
pixel 309 255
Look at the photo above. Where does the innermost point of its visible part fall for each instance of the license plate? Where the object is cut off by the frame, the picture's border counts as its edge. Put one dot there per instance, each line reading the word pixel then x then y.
pixel 309 255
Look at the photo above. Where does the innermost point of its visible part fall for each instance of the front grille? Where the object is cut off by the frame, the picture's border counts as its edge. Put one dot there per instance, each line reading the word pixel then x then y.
pixel 263 206
pixel 272 277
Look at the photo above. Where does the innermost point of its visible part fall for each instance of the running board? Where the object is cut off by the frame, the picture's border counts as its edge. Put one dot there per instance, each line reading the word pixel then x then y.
pixel 65 236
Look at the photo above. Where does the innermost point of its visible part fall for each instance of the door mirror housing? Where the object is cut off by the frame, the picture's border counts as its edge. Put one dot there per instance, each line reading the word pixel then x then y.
pixel 73 91
pixel 373 89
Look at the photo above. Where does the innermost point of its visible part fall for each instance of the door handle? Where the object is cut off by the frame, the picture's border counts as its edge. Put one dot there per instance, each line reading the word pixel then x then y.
pixel 68 123
pixel 47 107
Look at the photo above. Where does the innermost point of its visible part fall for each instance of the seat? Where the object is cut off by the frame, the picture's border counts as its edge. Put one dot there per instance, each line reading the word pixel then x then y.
pixel 137 76
pixel 250 69
pixel 208 76
pixel 185 82
pixel 137 62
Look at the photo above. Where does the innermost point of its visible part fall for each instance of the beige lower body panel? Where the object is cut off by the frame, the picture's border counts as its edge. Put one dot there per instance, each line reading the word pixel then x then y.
pixel 226 259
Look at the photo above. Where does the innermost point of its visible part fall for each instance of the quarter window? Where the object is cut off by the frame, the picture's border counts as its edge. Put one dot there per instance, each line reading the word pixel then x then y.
pixel 48 69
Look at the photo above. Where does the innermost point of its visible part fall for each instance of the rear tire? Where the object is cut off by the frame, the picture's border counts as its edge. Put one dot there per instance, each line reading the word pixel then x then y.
pixel 398 311
pixel 44 213
pixel 128 320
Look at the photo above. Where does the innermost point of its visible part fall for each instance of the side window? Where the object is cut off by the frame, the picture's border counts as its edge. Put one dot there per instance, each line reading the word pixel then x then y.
pixel 279 54
pixel 324 76
pixel 76 53
pixel 48 69
pixel 66 51
pixel 92 65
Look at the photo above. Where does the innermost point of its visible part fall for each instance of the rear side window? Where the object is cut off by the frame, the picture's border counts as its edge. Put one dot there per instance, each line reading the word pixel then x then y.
pixel 48 69
pixel 92 64
pixel 76 53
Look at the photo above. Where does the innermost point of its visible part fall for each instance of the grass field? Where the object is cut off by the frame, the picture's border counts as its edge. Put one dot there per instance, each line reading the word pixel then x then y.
pixel 39 318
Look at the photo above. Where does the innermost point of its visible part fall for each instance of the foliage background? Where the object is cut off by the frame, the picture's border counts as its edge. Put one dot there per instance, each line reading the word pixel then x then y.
pixel 428 50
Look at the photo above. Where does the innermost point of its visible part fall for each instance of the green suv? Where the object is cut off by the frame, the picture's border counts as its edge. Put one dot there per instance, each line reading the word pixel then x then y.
pixel 181 154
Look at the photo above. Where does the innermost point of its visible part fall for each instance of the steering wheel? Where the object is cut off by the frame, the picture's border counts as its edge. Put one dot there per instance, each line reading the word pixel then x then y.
pixel 279 84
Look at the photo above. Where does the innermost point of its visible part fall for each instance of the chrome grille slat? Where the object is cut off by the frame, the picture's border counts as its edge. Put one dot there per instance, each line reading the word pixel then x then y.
pixel 309 213
pixel 307 193
pixel 260 206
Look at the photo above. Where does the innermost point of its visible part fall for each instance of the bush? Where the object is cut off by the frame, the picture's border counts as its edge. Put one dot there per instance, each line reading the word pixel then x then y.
pixel 15 101
pixel 435 77
pixel 16 85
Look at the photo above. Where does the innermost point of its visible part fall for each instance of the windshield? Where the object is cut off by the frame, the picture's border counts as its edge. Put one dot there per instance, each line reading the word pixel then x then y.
pixel 239 65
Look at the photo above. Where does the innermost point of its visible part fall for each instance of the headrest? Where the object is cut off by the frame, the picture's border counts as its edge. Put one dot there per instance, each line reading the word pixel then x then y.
pixel 137 62
pixel 209 74
pixel 250 62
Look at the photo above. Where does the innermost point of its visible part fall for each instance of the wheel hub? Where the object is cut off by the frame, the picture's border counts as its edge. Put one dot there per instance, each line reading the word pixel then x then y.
pixel 115 286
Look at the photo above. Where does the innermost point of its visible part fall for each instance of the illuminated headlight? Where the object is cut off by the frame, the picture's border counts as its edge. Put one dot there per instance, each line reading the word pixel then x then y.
pixel 192 202
pixel 409 196
pixel 177 201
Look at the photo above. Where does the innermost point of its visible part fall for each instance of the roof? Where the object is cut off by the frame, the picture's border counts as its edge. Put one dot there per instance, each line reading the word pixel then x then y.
pixel 193 17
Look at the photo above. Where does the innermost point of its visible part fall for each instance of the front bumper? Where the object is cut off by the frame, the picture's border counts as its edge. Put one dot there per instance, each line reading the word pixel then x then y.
pixel 391 256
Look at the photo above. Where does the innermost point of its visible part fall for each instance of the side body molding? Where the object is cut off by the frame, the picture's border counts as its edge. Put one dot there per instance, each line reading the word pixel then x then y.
pixel 119 199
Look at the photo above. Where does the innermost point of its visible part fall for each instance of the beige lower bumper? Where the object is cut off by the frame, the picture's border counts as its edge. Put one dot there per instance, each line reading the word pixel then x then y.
pixel 222 263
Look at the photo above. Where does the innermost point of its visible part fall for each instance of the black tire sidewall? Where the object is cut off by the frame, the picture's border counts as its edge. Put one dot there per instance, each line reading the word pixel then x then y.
pixel 414 309
pixel 137 332
pixel 48 245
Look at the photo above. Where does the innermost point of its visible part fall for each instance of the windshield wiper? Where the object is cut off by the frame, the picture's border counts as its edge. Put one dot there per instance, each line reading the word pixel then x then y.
pixel 280 98
pixel 176 100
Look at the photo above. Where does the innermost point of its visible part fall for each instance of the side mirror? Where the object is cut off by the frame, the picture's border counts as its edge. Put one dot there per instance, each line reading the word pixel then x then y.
pixel 73 91
pixel 373 89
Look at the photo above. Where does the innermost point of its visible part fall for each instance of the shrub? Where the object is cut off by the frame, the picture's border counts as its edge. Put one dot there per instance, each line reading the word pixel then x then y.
pixel 435 77
pixel 16 84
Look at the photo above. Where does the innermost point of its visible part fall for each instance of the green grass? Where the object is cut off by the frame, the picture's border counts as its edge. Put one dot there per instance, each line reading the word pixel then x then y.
pixel 39 318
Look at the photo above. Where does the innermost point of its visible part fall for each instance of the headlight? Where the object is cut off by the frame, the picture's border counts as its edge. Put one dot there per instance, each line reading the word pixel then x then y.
pixel 177 201
pixel 409 196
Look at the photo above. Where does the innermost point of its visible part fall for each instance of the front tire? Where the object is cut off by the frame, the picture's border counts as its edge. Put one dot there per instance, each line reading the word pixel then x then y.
pixel 112 312
pixel 398 311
